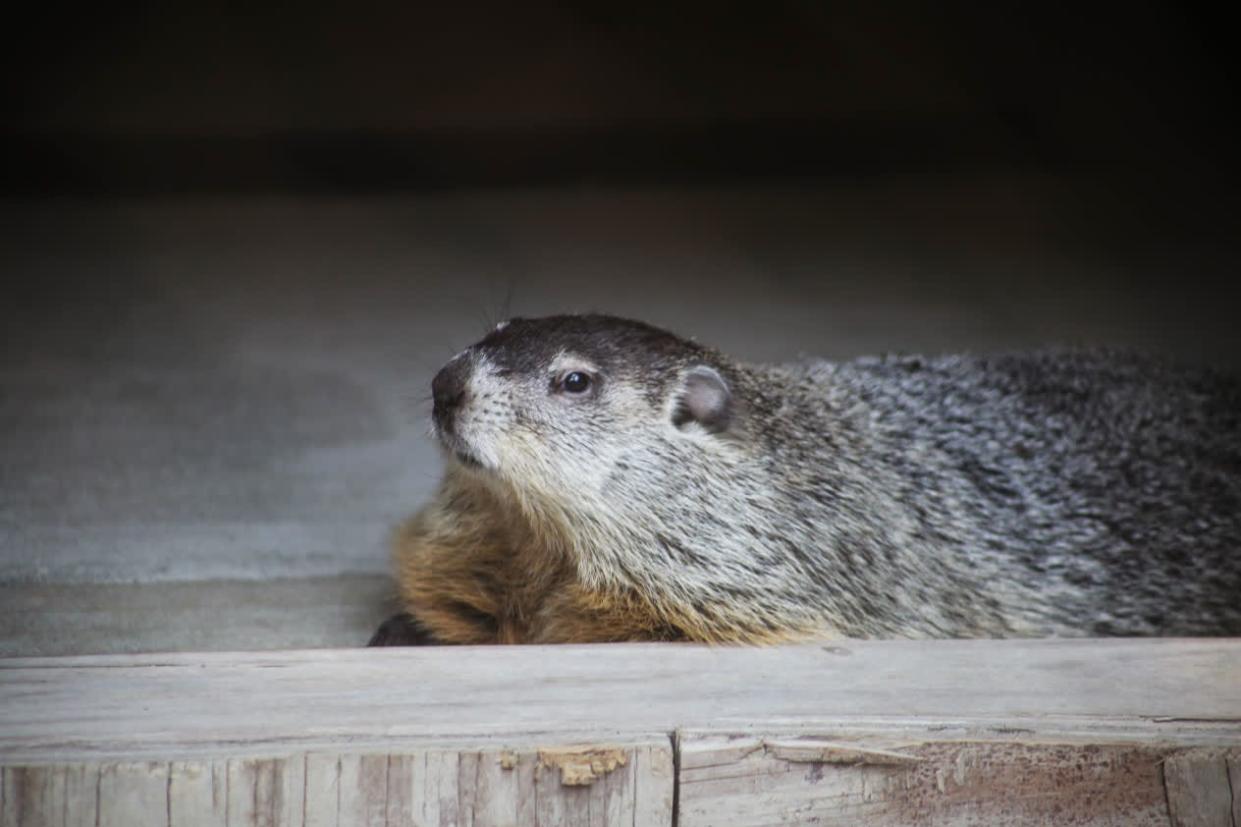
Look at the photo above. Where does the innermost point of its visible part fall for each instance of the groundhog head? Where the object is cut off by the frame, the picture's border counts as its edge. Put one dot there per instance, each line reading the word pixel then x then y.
pixel 558 404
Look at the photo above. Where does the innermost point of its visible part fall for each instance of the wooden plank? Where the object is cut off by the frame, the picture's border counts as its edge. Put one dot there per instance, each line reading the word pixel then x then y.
pixel 465 787
pixel 198 793
pixel 133 794
pixel 58 796
pixel 1198 789
pixel 321 781
pixel 435 794
pixel 1234 782
pixel 242 792
pixel 265 792
pixel 747 780
pixel 654 783
pixel 929 732
pixel 185 705
pixel 355 792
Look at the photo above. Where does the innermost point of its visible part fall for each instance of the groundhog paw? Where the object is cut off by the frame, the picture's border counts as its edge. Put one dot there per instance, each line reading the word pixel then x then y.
pixel 402 630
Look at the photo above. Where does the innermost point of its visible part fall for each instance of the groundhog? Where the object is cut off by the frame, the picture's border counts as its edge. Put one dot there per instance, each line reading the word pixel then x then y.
pixel 607 480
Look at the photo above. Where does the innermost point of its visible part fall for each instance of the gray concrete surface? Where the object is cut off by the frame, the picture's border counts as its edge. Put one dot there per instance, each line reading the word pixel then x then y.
pixel 204 403
pixel 50 619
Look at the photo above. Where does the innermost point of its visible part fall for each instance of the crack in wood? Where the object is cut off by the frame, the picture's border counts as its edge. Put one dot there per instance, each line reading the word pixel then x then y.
pixel 832 752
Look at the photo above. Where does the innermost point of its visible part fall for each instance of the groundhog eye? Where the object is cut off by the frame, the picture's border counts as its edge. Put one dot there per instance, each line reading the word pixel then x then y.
pixel 575 382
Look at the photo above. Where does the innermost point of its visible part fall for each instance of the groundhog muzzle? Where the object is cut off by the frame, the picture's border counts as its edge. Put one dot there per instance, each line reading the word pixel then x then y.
pixel 607 480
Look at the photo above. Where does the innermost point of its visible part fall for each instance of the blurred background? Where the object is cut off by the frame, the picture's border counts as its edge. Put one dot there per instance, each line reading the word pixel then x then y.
pixel 238 240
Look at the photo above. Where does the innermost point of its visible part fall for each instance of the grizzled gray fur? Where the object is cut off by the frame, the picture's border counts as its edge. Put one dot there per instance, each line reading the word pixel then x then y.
pixel 1101 490
pixel 1054 493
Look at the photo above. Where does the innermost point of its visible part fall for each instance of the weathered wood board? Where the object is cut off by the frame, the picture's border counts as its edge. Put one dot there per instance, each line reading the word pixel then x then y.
pixel 629 785
pixel 743 780
pixel 1077 732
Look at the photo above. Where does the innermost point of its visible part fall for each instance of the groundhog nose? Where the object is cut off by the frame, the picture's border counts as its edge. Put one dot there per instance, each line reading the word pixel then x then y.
pixel 448 391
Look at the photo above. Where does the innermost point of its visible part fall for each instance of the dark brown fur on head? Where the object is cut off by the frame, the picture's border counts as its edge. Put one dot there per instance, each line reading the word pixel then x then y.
pixel 620 347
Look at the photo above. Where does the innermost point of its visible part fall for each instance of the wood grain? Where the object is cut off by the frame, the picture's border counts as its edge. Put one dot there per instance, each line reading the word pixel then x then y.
pixel 743 780
pixel 469 788
pixel 58 710
pixel 1198 789
pixel 53 796
pixel 1080 732
pixel 1234 782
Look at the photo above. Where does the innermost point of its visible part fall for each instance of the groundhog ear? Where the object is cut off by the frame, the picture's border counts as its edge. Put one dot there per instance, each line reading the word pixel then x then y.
pixel 704 398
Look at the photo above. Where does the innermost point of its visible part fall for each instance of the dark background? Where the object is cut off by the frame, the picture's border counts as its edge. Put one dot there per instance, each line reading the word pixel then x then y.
pixel 228 96
pixel 239 239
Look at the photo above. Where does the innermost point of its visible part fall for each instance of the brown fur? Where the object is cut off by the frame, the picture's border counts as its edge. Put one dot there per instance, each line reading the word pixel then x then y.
pixel 471 569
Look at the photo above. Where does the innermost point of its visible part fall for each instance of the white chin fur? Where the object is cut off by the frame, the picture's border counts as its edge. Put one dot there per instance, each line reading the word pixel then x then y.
pixel 469 455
